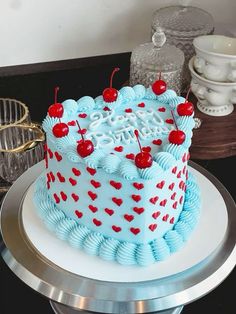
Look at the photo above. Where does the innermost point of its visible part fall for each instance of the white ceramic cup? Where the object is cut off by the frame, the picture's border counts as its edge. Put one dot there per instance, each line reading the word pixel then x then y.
pixel 215 57
pixel 214 98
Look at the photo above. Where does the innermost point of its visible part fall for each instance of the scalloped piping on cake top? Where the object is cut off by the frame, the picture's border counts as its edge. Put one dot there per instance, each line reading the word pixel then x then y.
pixel 112 163
pixel 125 253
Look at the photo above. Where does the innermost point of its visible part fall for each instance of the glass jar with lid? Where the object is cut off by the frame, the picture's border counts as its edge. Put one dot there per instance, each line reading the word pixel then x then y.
pixel 149 59
pixel 181 24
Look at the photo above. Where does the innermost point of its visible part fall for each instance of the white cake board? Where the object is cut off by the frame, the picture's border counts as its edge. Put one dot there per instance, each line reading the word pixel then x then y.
pixel 204 241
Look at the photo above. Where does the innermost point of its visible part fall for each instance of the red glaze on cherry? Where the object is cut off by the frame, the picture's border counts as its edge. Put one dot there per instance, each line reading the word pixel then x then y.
pixel 176 137
pixel 143 159
pixel 56 110
pixel 186 108
pixel 159 86
pixel 60 129
pixel 84 147
pixel 110 94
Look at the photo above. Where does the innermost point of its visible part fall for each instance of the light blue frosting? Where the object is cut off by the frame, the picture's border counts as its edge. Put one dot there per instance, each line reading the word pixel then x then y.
pixel 72 155
pixel 164 159
pixel 149 94
pixel 174 101
pixel 110 163
pixel 150 172
pixel 167 96
pixel 93 160
pixel 48 123
pixel 70 106
pixel 175 150
pixel 127 93
pixel 77 236
pixel 85 104
pixel 67 141
pixel 128 170
pixel 125 253
pixel 100 103
pixel 140 91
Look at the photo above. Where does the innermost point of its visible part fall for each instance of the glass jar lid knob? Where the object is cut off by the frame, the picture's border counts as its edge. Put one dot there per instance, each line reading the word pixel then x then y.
pixel 158 38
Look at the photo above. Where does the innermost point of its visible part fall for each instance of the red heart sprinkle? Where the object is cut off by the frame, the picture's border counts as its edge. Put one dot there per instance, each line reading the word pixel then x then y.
pixel 170 121
pixel 130 156
pixel 119 149
pixel 184 158
pixel 174 170
pixel 181 199
pixel 156 215
pixel 93 208
pixel 179 174
pixel 181 185
pixel 152 227
pixel 96 184
pixel 91 171
pixel 97 222
pixel 48 185
pixel 153 200
pixel 63 196
pixel 82 131
pixel 162 109
pixel 171 186
pixel 175 205
pixel 136 198
pixel 48 177
pixel 92 195
pixel 172 220
pixel 188 156
pixel 106 109
pixel 58 156
pixel 138 186
pixel 135 231
pixel 146 149
pixel 160 184
pixel 128 110
pixel 57 199
pixel 173 196
pixel 116 185
pixel 184 169
pixel 79 214
pixel 50 153
pixel 129 218
pixel 52 177
pixel 109 211
pixel 165 218
pixel 163 203
pixel 82 115
pixel 71 123
pixel 76 172
pixel 117 201
pixel 75 197
pixel 60 177
pixel 72 181
pixel 141 105
pixel 157 142
pixel 116 228
pixel 138 210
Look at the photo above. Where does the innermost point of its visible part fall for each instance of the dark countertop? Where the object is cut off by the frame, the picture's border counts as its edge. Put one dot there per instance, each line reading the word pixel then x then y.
pixel 36 90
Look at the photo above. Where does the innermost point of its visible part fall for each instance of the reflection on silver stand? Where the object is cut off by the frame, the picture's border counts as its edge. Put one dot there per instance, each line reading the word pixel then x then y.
pixel 70 293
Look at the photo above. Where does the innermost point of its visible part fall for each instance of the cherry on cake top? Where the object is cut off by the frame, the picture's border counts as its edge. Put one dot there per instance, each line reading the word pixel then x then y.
pixel 110 94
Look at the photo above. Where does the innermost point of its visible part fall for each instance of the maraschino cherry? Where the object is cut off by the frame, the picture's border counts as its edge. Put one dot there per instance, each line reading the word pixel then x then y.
pixel 159 86
pixel 85 147
pixel 60 129
pixel 176 136
pixel 142 159
pixel 110 94
pixel 56 110
pixel 186 108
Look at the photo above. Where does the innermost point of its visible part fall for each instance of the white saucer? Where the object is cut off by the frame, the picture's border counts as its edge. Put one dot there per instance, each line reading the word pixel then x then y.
pixel 205 239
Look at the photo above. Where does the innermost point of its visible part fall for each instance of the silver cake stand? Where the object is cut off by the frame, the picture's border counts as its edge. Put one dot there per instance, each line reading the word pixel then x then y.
pixel 70 293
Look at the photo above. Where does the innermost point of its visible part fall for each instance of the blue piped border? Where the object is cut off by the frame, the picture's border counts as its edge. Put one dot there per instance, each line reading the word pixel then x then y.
pixel 125 253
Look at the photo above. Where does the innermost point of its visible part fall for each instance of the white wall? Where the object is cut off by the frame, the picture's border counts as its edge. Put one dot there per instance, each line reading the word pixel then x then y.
pixel 34 31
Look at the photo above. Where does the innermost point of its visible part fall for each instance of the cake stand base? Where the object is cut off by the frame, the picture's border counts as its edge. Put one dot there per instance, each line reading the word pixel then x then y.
pixel 216 111
pixel 63 309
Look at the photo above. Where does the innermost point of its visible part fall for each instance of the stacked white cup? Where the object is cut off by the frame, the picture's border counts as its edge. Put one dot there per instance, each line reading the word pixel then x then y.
pixel 213 71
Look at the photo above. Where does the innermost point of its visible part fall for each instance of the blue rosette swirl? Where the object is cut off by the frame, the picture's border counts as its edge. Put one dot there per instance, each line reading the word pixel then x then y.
pixel 85 104
pixel 164 159
pixel 128 170
pixel 140 91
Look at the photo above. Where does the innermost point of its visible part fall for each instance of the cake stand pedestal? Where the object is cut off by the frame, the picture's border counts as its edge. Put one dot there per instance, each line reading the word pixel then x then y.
pixel 72 292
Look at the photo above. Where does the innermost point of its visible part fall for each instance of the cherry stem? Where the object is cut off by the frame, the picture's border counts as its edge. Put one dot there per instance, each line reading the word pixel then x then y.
pixel 137 136
pixel 55 94
pixel 186 98
pixel 112 74
pixel 159 75
pixel 80 130
pixel 174 120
